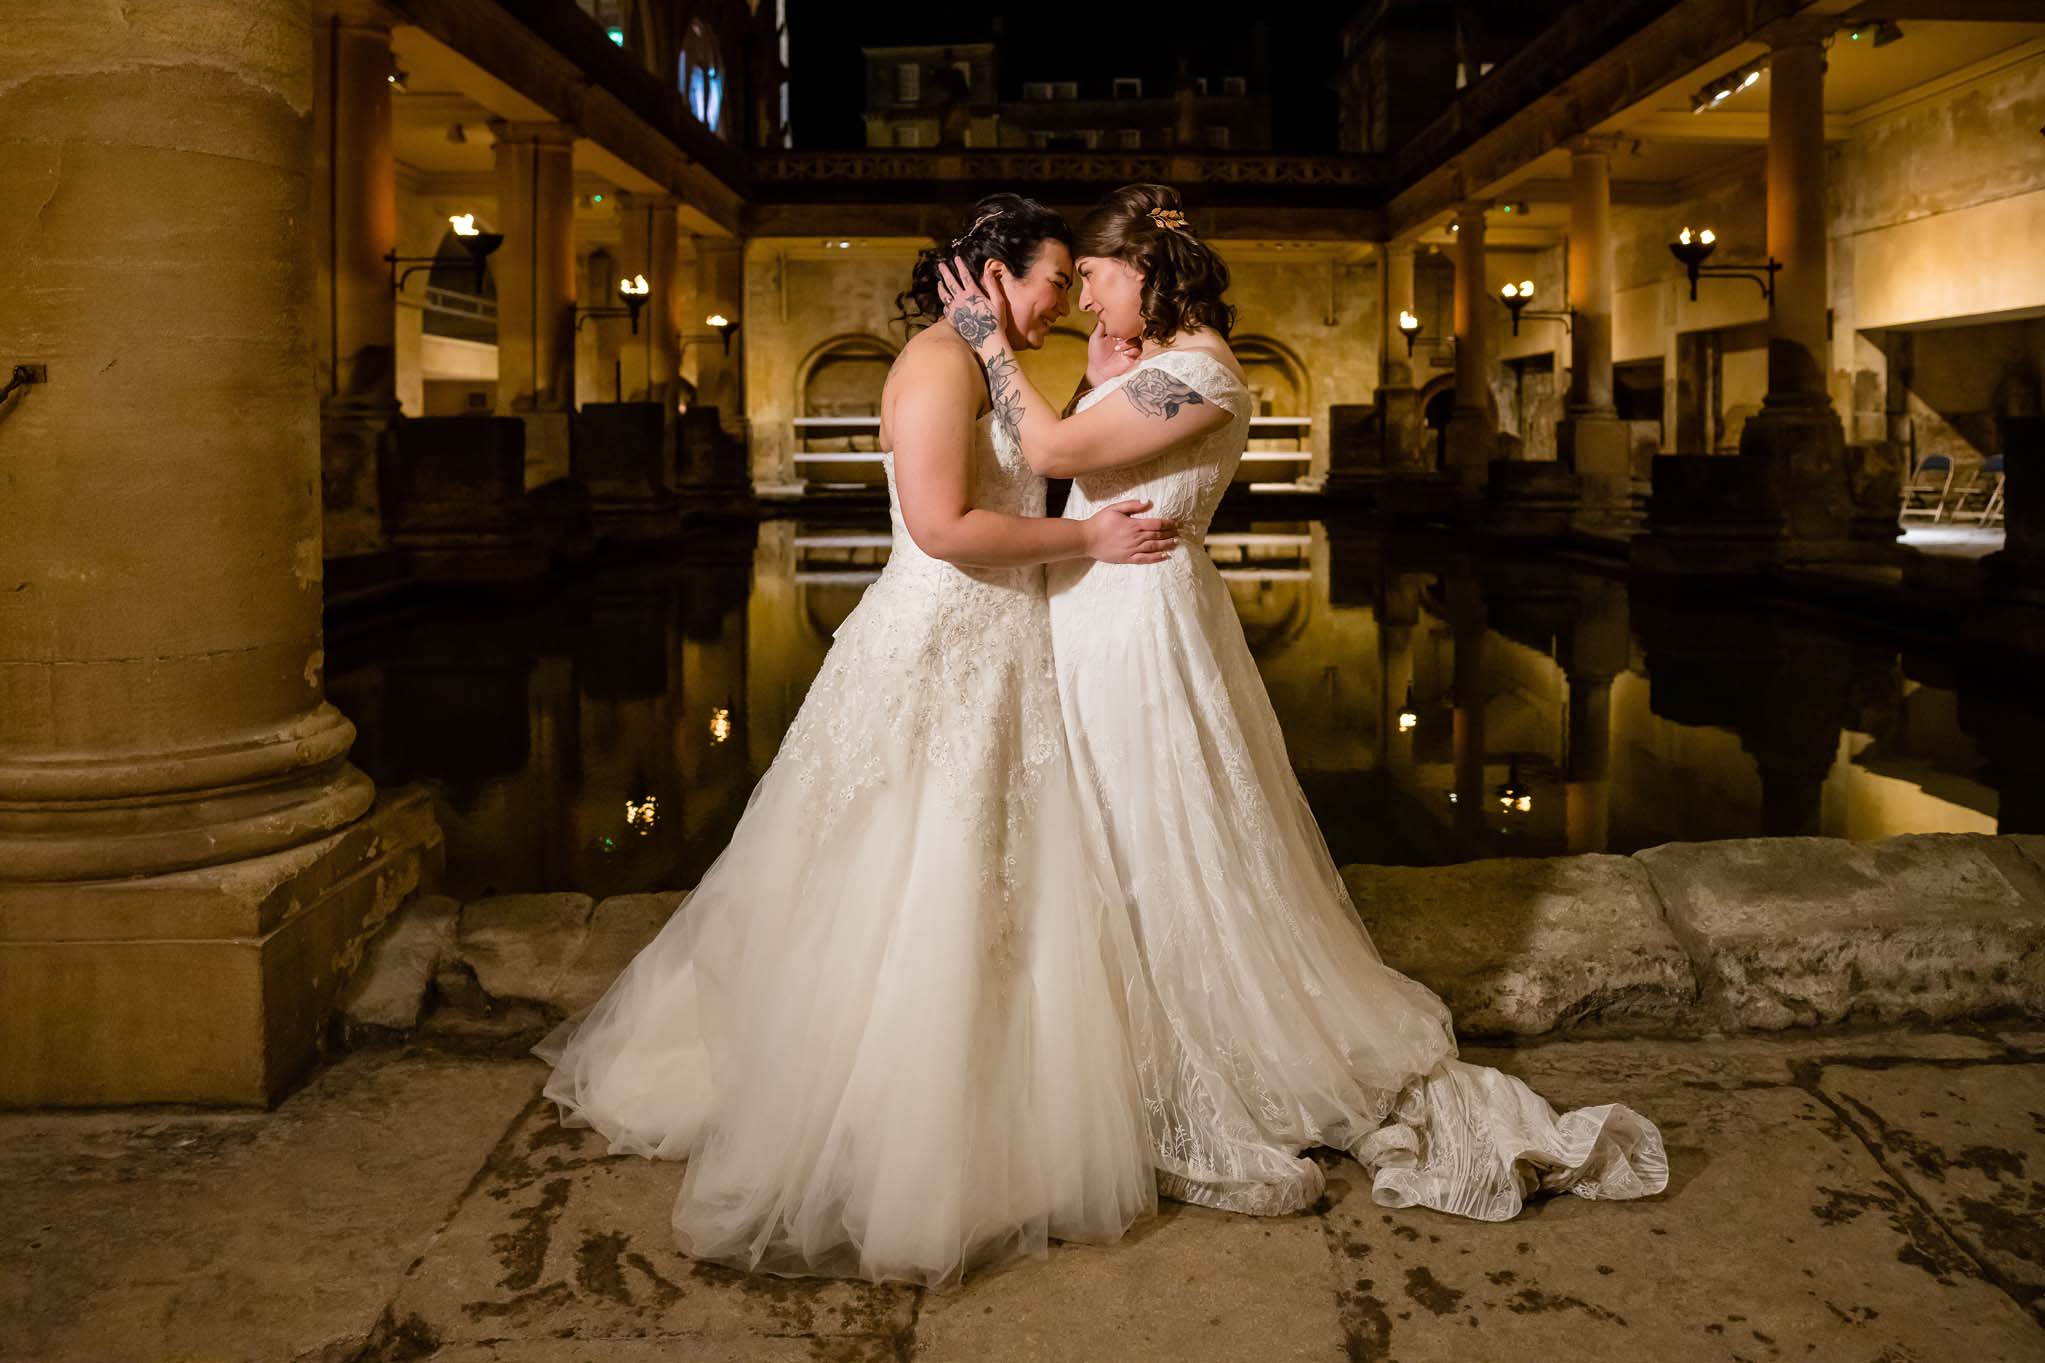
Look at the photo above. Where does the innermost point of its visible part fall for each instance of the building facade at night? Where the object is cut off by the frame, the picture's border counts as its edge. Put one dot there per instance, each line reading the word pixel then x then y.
pixel 438 291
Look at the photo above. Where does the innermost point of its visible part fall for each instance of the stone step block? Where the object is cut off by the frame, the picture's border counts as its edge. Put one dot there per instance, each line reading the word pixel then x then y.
pixel 520 946
pixel 1802 932
pixel 618 929
pixel 388 991
pixel 1523 946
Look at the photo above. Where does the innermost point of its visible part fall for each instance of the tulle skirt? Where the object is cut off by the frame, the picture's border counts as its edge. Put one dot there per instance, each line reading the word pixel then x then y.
pixel 889 1030
pixel 1280 1027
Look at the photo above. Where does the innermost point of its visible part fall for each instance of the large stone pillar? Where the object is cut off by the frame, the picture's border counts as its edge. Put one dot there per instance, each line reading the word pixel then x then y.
pixel 1591 440
pixel 652 359
pixel 1472 436
pixel 1594 651
pixel 354 224
pixel 1405 435
pixel 1467 618
pixel 186 869
pixel 535 273
pixel 1796 438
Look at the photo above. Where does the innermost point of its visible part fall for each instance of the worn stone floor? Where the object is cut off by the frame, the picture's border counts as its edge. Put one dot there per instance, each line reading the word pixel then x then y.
pixel 1871 1197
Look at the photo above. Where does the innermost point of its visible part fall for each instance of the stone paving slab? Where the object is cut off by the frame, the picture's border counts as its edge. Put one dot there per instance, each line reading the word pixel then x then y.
pixel 157 1235
pixel 1192 1286
pixel 1748 1255
pixel 560 1240
pixel 618 928
pixel 521 945
pixel 1970 1144
pixel 1521 946
pixel 1791 932
pixel 698 1349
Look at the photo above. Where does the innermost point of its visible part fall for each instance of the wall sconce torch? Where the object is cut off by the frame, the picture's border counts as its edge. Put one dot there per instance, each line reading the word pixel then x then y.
pixel 1409 327
pixel 723 326
pixel 1692 249
pixel 1517 296
pixel 631 292
pixel 1409 718
pixel 479 245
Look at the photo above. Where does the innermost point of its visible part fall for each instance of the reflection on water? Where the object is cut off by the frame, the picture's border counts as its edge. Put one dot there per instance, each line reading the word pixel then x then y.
pixel 1438 707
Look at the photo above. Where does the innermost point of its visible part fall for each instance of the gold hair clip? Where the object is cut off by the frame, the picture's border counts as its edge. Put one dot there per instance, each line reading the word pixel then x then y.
pixel 1172 218
pixel 989 216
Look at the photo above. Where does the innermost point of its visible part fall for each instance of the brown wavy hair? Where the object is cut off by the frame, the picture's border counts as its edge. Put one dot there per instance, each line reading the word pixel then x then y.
pixel 1183 277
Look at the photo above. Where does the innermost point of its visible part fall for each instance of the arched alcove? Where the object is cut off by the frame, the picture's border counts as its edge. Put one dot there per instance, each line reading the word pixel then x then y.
pixel 1275 375
pixel 843 376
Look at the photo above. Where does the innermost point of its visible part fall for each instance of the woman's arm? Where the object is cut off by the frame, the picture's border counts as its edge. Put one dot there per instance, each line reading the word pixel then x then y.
pixel 932 433
pixel 1158 409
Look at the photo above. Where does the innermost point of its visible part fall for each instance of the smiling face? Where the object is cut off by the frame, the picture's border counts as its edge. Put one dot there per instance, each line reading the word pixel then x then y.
pixel 1112 290
pixel 1038 299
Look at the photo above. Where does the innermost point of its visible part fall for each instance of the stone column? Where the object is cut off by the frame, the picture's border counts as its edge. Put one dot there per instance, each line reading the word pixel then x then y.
pixel 1405 436
pixel 186 869
pixel 1472 437
pixel 1591 440
pixel 653 358
pixel 720 284
pixel 354 224
pixel 1596 648
pixel 1398 613
pixel 1796 436
pixel 535 273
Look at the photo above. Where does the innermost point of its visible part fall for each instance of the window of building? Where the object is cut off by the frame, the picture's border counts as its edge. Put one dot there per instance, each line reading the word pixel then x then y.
pixel 1217 138
pixel 908 83
pixel 1128 87
pixel 1234 85
pixel 1091 137
pixel 965 70
pixel 1067 89
pixel 1200 86
pixel 1132 139
pixel 908 134
pixel 1039 139
pixel 702 76
pixel 1037 89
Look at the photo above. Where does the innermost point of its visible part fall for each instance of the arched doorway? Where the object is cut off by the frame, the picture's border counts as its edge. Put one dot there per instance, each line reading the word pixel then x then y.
pixel 1437 404
pixel 837 409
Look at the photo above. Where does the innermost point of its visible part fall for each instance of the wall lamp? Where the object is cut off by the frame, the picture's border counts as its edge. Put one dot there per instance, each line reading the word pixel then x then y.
pixel 1517 296
pixel 1694 248
pixel 1409 327
pixel 1409 718
pixel 631 292
pixel 1725 87
pixel 724 327
pixel 478 244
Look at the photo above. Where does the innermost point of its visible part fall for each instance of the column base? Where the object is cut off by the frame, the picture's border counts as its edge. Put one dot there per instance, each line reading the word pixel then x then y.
pixel 455 498
pixel 208 986
pixel 1472 445
pixel 548 447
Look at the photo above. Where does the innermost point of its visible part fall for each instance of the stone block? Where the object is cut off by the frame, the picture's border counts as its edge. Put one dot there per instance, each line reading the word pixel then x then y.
pixel 520 946
pixel 203 986
pixel 1793 932
pixel 389 990
pixel 1523 946
pixel 618 928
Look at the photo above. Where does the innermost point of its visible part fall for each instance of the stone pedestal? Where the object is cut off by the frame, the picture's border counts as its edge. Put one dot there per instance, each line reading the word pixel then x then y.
pixel 202 986
pixel 1531 499
pixel 712 474
pixel 624 454
pixel 2011 612
pixel 455 500
pixel 1355 453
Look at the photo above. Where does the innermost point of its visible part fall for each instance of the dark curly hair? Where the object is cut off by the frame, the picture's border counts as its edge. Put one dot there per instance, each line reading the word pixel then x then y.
pixel 1004 227
pixel 1145 226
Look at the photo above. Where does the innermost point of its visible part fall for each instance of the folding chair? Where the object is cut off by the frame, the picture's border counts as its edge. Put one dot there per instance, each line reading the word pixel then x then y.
pixel 1980 499
pixel 1924 496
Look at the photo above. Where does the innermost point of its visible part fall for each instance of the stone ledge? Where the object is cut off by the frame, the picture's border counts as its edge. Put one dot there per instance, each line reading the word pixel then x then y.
pixel 1791 932
pixel 1525 946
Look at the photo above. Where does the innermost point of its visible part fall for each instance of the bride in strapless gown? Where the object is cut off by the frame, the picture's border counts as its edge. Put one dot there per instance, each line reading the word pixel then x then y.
pixel 1282 1026
pixel 889 1030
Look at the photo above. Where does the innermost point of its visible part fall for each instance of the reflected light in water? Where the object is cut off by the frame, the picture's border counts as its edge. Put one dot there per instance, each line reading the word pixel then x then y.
pixel 642 815
pixel 720 724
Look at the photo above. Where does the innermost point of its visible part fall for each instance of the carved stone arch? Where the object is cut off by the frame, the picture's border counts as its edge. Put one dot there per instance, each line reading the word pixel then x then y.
pixel 852 348
pixel 1286 380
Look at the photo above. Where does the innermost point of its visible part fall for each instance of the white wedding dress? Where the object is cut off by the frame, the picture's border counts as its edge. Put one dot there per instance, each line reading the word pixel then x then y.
pixel 1282 1027
pixel 889 1031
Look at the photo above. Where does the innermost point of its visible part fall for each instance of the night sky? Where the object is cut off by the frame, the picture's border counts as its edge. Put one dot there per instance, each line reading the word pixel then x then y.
pixel 1046 42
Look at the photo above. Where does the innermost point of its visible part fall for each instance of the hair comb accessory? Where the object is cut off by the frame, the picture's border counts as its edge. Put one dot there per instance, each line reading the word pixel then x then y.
pixel 1171 218
pixel 989 216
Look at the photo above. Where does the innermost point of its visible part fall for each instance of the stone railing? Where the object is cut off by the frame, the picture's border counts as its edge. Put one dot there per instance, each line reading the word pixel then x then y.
pixel 888 173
